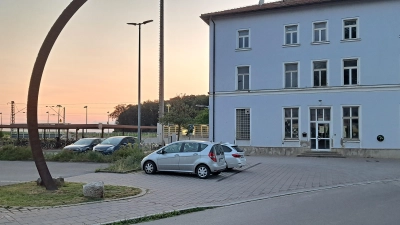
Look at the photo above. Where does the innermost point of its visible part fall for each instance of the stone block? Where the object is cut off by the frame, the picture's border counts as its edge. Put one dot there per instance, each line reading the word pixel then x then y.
pixel 94 189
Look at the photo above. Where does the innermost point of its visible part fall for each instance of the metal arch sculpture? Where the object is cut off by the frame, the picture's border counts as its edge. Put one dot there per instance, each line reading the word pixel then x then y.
pixel 33 93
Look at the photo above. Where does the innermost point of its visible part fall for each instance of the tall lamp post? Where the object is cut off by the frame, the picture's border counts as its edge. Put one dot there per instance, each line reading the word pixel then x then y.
pixel 169 141
pixel 85 107
pixel 139 117
pixel 108 122
pixel 1 121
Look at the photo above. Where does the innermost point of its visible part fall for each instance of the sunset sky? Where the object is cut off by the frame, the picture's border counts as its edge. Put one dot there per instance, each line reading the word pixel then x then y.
pixel 94 61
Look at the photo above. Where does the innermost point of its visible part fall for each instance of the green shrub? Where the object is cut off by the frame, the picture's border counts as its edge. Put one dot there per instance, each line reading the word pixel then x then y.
pixel 69 156
pixel 126 159
pixel 14 153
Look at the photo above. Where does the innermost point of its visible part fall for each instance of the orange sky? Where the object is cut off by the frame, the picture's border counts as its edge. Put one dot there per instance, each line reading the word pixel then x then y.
pixel 94 61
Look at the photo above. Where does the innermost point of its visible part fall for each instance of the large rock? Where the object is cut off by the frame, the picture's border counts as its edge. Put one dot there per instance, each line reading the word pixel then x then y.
pixel 94 189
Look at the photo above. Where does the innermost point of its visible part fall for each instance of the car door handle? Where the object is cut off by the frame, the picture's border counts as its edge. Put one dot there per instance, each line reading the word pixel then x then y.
pixel 176 155
pixel 195 154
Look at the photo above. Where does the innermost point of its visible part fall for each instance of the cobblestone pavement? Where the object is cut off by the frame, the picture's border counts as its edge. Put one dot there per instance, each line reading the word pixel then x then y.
pixel 261 178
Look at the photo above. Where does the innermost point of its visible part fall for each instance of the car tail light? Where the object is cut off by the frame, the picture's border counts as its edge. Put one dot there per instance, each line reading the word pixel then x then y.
pixel 212 156
pixel 236 155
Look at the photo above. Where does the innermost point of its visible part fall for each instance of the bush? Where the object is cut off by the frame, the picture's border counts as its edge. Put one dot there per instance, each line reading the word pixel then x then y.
pixel 126 159
pixel 69 156
pixel 15 153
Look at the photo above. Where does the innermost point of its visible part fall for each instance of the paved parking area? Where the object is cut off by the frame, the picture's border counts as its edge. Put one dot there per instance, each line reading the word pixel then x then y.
pixel 263 177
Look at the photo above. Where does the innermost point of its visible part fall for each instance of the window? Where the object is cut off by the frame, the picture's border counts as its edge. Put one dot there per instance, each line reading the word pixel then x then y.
pixel 350 29
pixel 190 147
pixel 351 122
pixel 350 71
pixel 291 121
pixel 320 73
pixel 291 37
pixel 291 74
pixel 320 32
pixel 243 77
pixel 243 124
pixel 243 39
pixel 173 148
pixel 226 149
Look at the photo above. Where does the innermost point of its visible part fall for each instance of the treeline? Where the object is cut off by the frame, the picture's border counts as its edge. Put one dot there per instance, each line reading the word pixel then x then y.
pixel 128 114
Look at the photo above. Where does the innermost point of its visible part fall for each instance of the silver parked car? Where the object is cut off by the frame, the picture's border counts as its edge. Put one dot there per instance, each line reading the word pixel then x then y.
pixel 234 156
pixel 199 157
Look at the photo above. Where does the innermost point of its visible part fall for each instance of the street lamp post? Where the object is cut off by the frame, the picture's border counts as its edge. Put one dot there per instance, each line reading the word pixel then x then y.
pixel 85 107
pixel 108 122
pixel 169 141
pixel 1 120
pixel 139 117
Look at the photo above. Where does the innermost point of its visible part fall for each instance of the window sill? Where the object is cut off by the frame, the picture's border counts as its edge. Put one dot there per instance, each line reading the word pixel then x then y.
pixel 320 42
pixel 242 49
pixel 291 45
pixel 350 40
pixel 243 90
pixel 351 140
pixel 291 140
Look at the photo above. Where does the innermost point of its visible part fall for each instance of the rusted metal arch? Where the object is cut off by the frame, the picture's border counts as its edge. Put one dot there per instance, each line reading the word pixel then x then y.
pixel 34 86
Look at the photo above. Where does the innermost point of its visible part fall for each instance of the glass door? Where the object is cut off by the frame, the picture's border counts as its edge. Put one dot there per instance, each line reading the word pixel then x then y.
pixel 320 129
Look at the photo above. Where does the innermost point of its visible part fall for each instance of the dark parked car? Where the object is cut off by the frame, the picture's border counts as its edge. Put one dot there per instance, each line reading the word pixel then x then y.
pixel 111 144
pixel 83 145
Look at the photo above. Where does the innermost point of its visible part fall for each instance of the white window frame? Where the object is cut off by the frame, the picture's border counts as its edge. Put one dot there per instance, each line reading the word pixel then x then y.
pixel 319 29
pixel 236 124
pixel 284 74
pixel 291 118
pixel 350 117
pixel 237 78
pixel 357 26
pixel 238 38
pixel 327 72
pixel 291 36
pixel 358 71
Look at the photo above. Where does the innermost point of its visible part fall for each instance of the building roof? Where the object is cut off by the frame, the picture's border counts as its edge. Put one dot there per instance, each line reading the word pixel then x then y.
pixel 267 6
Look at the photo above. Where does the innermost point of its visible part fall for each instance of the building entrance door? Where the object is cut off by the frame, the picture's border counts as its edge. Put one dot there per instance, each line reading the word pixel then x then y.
pixel 320 129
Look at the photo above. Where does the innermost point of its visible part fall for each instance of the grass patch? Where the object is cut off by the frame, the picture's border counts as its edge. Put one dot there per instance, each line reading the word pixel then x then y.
pixel 127 158
pixel 15 153
pixel 161 216
pixel 31 195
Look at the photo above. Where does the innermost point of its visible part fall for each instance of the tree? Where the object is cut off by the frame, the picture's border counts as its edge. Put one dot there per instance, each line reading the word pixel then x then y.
pixel 180 114
pixel 202 117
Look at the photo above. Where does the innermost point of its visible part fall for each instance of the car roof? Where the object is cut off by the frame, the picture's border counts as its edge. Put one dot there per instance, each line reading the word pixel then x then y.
pixel 195 141
pixel 229 144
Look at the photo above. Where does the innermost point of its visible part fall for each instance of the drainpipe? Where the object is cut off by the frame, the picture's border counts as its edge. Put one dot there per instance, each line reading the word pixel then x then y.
pixel 213 89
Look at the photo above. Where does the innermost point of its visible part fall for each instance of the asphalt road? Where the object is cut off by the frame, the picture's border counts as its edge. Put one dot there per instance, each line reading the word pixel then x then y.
pixel 371 204
pixel 16 171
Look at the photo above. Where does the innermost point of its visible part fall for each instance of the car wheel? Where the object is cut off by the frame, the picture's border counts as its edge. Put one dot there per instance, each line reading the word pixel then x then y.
pixel 216 173
pixel 202 171
pixel 149 167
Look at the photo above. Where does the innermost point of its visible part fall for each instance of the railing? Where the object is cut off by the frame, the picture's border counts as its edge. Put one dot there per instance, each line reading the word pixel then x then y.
pixel 199 131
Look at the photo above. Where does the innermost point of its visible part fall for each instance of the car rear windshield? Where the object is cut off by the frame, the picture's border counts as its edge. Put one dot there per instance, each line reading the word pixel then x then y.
pixel 83 142
pixel 237 148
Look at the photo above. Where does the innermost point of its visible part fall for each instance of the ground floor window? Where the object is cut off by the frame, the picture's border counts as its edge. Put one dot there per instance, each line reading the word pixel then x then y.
pixel 351 122
pixel 291 121
pixel 242 124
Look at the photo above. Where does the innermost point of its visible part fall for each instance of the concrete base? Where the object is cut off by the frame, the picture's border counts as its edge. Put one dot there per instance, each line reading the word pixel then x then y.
pixel 347 152
pixel 368 153
pixel 278 151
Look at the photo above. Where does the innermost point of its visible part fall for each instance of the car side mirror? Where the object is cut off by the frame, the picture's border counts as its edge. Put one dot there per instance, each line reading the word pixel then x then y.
pixel 161 151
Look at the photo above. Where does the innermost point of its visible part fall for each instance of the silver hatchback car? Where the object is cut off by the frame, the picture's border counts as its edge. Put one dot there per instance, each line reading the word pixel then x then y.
pixel 202 158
